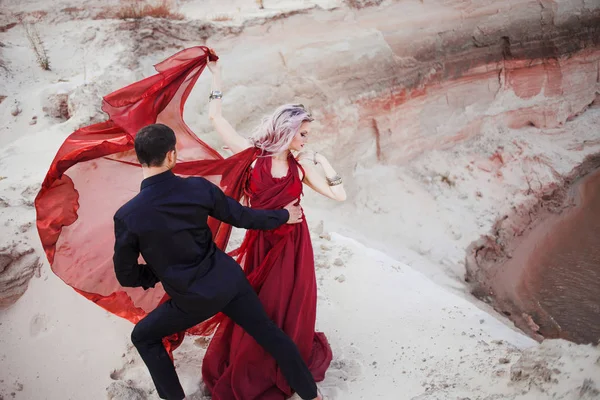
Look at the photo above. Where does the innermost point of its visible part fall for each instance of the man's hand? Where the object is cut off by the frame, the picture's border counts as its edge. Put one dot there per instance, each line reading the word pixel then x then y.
pixel 295 213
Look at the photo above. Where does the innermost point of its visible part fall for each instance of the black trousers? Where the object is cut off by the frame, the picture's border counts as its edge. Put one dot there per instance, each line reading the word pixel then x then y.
pixel 245 310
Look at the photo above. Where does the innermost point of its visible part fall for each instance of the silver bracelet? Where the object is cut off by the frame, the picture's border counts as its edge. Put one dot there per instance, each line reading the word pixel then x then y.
pixel 336 180
pixel 215 94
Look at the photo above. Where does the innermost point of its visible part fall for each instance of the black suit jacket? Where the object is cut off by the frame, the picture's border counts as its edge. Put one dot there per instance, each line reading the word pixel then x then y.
pixel 167 224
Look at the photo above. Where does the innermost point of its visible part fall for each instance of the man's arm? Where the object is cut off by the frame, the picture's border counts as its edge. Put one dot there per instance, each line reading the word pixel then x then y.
pixel 129 272
pixel 228 210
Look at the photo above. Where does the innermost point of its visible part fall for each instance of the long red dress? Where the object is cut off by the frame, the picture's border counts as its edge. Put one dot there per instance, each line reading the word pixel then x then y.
pixel 280 266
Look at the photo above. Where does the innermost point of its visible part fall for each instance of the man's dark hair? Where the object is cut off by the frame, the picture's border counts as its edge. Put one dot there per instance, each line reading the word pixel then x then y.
pixel 152 143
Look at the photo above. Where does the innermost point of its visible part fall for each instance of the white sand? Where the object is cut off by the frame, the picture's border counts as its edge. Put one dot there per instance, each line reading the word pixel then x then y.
pixel 402 325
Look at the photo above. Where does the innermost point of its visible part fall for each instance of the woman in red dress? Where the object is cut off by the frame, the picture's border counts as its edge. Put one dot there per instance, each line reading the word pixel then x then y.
pixel 278 263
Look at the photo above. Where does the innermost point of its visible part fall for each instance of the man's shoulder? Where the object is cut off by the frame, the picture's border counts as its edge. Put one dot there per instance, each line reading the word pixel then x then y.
pixel 127 208
pixel 197 182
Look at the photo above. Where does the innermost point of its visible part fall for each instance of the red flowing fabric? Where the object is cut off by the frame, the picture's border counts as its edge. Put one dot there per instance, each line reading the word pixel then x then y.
pixel 280 266
pixel 95 171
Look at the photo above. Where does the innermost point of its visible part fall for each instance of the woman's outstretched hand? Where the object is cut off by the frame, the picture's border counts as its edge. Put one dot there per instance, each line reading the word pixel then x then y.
pixel 213 66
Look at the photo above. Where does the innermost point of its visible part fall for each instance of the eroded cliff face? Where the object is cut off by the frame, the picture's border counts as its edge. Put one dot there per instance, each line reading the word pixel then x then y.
pixel 427 80
pixel 455 90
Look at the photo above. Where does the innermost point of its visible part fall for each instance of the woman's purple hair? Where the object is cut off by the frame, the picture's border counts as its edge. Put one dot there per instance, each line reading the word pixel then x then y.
pixel 276 132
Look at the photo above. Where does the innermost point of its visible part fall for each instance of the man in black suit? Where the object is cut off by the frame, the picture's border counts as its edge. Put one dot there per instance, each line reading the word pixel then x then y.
pixel 167 223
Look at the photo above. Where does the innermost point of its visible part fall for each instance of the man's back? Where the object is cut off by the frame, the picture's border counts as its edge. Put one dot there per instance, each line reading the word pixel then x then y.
pixel 167 223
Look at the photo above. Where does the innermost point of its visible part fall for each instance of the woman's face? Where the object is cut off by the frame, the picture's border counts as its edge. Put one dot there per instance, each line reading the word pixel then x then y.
pixel 301 137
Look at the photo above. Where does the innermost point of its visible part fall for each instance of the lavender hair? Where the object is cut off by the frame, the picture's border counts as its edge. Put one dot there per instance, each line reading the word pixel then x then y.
pixel 276 132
